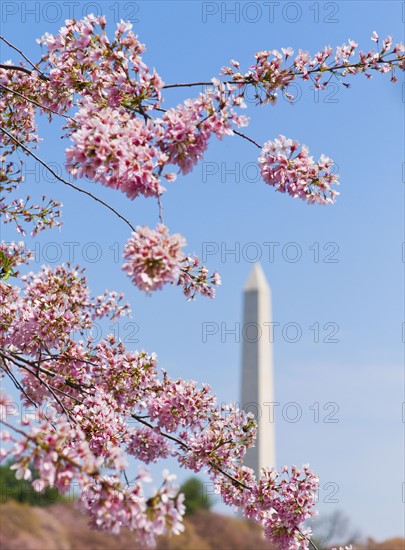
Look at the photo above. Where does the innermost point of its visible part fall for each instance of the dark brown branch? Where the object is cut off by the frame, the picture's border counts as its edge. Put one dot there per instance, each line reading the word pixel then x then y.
pixel 247 138
pixel 190 84
pixel 15 381
pixel 41 74
pixel 21 363
pixel 35 103
pixel 16 68
pixel 187 448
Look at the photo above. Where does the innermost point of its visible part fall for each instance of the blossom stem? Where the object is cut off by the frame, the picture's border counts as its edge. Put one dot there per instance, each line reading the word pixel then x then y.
pixel 247 138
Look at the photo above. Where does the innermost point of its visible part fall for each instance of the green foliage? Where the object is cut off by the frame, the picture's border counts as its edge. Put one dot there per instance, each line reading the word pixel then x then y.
pixel 6 266
pixel 12 488
pixel 197 495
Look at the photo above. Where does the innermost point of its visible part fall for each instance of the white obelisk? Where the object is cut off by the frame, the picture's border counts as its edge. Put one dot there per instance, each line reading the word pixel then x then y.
pixel 257 368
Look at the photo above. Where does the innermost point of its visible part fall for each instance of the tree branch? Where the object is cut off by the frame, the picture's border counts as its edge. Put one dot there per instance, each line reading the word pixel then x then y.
pixel 247 138
pixel 35 103
pixel 30 153
pixel 41 74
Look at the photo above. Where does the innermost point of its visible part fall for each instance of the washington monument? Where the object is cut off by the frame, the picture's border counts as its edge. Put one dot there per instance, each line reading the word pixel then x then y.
pixel 257 368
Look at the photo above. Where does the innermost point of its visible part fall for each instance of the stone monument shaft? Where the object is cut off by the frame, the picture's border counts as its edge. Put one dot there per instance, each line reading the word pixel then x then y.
pixel 257 368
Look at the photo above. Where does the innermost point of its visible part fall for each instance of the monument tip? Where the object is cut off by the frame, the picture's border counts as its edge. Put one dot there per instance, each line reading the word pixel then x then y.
pixel 257 279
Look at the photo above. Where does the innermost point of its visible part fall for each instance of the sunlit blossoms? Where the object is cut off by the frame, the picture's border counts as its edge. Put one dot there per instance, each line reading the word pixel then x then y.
pixel 289 170
pixel 274 71
pixel 82 59
pixel 153 257
pixel 187 128
pixel 114 148
pixel 107 405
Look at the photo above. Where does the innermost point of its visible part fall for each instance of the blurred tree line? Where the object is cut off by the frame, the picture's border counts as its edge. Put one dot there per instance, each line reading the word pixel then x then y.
pixel 22 490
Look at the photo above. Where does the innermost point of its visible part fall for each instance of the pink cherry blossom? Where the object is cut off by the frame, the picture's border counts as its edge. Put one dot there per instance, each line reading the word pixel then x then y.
pixel 299 175
pixel 153 257
pixel 99 155
pixel 97 406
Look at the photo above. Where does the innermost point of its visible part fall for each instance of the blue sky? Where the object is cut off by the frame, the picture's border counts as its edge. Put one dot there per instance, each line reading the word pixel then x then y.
pixel 348 274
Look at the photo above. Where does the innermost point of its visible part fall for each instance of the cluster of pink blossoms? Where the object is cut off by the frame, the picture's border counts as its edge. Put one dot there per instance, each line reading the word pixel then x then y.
pixel 93 393
pixel 82 59
pixel 116 149
pixel 147 444
pixel 183 397
pixel 96 392
pixel 299 175
pixel 41 216
pixel 17 115
pixel 272 73
pixel 56 303
pixel 153 257
pixel 11 255
pixel 187 128
pixel 195 279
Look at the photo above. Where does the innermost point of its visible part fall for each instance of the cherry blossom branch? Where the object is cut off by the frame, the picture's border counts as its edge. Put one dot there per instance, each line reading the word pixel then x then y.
pixel 247 81
pixel 15 381
pixel 187 448
pixel 35 103
pixel 21 432
pixel 18 68
pixel 41 74
pixel 184 445
pixel 43 163
pixel 247 138
pixel 15 358
pixel 336 68
pixel 61 455
pixel 52 392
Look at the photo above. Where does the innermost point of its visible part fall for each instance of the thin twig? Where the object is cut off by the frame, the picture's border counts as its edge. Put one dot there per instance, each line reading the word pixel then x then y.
pixel 16 68
pixel 246 80
pixel 247 138
pixel 25 57
pixel 21 363
pixel 308 539
pixel 16 382
pixel 188 85
pixel 160 208
pixel 187 448
pixel 29 152
pixel 58 401
pixel 35 103
pixel 66 394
